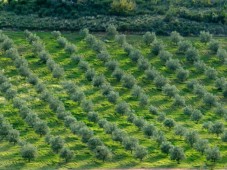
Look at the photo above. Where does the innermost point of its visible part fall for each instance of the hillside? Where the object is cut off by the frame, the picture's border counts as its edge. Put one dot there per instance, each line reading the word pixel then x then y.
pixel 114 103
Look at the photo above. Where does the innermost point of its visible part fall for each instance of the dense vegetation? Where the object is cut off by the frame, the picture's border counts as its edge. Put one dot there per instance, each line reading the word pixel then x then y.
pixel 112 101
pixel 161 16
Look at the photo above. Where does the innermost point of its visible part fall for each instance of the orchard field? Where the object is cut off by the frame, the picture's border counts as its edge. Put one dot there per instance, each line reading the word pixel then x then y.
pixel 108 100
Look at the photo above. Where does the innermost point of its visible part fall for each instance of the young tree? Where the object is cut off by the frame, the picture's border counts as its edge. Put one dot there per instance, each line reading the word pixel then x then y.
pixel 192 54
pixel 182 74
pixel 177 154
pixel 111 31
pixel 214 46
pixel 13 135
pixel 170 90
pixel 191 137
pixel 56 143
pixel 217 128
pixel 196 115
pixel 213 154
pixel 157 46
pixel 66 154
pixel 148 38
pixel 130 143
pixel 122 108
pixel 205 37
pixel 183 46
pixel 211 73
pixel 201 145
pixel 140 152
pixel 29 152
pixel 170 123
pixel 165 55
pixel 173 64
pixel 166 146
pixel 175 37
pixel 128 81
pixel 102 152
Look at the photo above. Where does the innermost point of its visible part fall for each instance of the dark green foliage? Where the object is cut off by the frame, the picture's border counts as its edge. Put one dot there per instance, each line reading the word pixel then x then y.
pixel 220 110
pixel 170 123
pixel 111 65
pixel 41 128
pixel 160 81
pixel 102 152
pixel 209 99
pixel 149 130
pixel 56 143
pixel 213 154
pixel 94 142
pixel 165 147
pixel 140 152
pixel 182 74
pixel 191 137
pixel 148 38
pixel 201 145
pixel 217 128
pixel 196 115
pixel 66 154
pixel 214 46
pixel 200 66
pixel 205 37
pixel 13 135
pixel 111 31
pixel 165 55
pixel 87 105
pixel 175 37
pixel 211 73
pixel 90 74
pixel 177 154
pixel 93 116
pixel 86 134
pixel 130 143
pixel 128 81
pixel 118 74
pixel 28 152
pixel 98 80
pixel 122 108
pixel 183 46
pixel 151 73
pixel 207 125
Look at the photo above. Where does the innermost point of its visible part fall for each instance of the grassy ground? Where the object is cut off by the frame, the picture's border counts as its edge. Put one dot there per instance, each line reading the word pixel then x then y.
pixel 84 158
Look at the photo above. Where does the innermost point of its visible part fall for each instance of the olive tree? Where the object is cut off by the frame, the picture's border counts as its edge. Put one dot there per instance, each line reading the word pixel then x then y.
pixel 196 115
pixel 191 137
pixel 153 110
pixel 143 64
pixel 111 65
pixel 224 136
pixel 160 81
pixel 149 130
pixel 136 91
pixel 98 80
pixel 41 128
pixel 130 143
pixel 170 90
pixel 175 37
pixel 217 128
pixel 200 66
pixel 113 96
pixel 86 134
pixel 213 154
pixel 90 74
pixel 192 54
pixel 111 31
pixel 177 154
pixel 66 154
pixel 157 46
pixel 151 73
pixel 87 105
pixel 13 136
pixel 214 46
pixel 222 54
pixel 182 74
pixel 220 83
pixel 170 123
pixel 183 46
pixel 140 152
pixel 211 73
pixel 165 55
pixel 102 152
pixel 94 142
pixel 201 145
pixel 121 39
pixel 139 122
pixel 209 99
pixel 179 130
pixel 118 74
pixel 149 37
pixel 70 48
pixel 104 56
pixel 56 143
pixel 29 152
pixel 128 81
pixel 118 135
pixel 122 108
pixel 205 37
pixel 179 100
pixel 143 99
pixel 173 64
pixel 166 146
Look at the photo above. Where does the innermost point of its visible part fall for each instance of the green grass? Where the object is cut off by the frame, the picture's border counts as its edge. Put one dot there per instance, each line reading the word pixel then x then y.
pixel 84 158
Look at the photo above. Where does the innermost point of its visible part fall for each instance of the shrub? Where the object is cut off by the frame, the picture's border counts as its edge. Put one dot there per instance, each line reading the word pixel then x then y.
pixel 66 154
pixel 220 83
pixel 41 128
pixel 94 142
pixel 121 39
pixel 149 130
pixel 87 105
pixel 217 128
pixel 148 38
pixel 205 37
pixel 140 152
pixel 110 127
pixel 90 74
pixel 83 65
pixel 196 115
pixel 213 154
pixel 182 74
pixel 179 130
pixel 151 73
pixel 106 89
pixel 165 147
pixel 161 117
pixel 175 37
pixel 111 65
pixel 93 117
pixel 177 154
pixel 136 91
pixel 211 73
pixel 200 66
pixel 170 123
pixel 192 54
pixel 56 34
pixel 213 46
pixel 102 152
pixel 28 152
pixel 130 143
pixel 118 74
pixel 143 100
pixel 58 71
pixel 143 64
pixel 191 137
pixel 222 54
pixel 153 110
pixel 165 55
pixel 170 90
pixel 201 145
pixel 135 55
pixel 160 81
pixel 224 137
pixel 199 90
pixel 98 80
pixel 128 81
pixel 76 58
pixel 6 44
pixel 209 99
pixel 188 110
pixel 86 134
pixel 13 136
pixel 84 32
pixel 104 56
pixel 62 42
pixel 111 31
pixel 113 96
pixel 44 56
pixel 122 108
pixel 118 135
pixel 139 122
pixel 157 46
pixel 183 46
pixel 70 48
